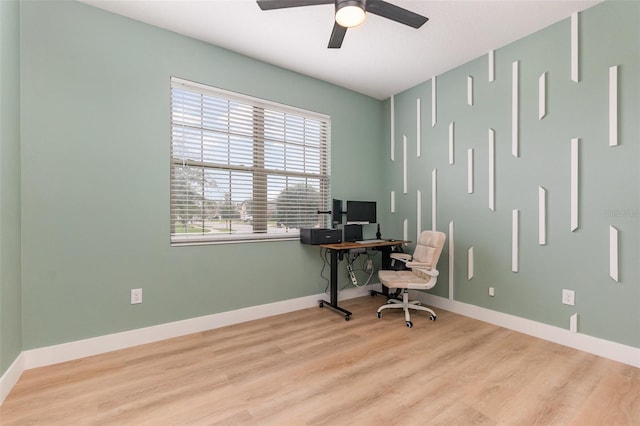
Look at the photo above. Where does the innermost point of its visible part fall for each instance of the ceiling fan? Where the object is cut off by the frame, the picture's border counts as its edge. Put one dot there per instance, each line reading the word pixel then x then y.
pixel 351 13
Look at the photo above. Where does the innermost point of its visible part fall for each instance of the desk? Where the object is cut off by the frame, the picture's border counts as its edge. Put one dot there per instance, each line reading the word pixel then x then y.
pixel 337 251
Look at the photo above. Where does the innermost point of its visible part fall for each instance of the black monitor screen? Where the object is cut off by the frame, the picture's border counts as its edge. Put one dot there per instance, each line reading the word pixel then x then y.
pixel 337 211
pixel 361 212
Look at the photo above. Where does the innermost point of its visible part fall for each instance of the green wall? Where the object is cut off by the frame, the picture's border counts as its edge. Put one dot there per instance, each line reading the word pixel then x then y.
pixel 95 176
pixel 609 178
pixel 10 304
pixel 85 177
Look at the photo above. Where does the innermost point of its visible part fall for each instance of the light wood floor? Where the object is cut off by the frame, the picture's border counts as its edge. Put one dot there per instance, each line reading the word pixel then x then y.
pixel 311 367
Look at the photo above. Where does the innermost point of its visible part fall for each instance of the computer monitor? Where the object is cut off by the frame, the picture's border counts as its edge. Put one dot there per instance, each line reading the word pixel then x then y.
pixel 336 212
pixel 361 212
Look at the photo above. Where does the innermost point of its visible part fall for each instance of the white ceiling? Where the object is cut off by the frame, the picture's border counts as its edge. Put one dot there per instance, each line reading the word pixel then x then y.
pixel 378 58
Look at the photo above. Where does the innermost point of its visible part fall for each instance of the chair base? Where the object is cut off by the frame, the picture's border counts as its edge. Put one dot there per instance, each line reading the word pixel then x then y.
pixel 405 304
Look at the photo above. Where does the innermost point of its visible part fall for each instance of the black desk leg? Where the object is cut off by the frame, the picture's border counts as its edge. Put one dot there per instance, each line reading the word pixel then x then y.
pixel 334 288
pixel 386 264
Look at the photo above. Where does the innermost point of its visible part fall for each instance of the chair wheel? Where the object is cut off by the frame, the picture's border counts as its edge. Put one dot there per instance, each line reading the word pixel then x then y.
pixel 379 314
pixel 373 293
pixel 432 317
pixel 409 324
pixel 321 304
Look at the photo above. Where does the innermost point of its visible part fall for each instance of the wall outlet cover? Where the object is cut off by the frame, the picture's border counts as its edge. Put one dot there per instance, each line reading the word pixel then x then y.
pixel 136 296
pixel 568 297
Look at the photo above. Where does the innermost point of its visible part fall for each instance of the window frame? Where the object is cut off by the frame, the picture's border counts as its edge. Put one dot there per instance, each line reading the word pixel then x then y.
pixel 260 175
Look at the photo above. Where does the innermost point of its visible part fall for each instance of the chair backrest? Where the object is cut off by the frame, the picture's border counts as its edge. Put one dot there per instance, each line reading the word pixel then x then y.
pixel 429 247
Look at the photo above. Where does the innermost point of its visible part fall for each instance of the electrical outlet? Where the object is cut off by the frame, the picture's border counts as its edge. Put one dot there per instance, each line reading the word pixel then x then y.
pixel 369 265
pixel 492 291
pixel 136 296
pixel 568 297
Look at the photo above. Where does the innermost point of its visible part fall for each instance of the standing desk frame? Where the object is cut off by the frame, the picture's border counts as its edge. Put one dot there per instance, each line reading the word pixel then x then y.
pixel 337 253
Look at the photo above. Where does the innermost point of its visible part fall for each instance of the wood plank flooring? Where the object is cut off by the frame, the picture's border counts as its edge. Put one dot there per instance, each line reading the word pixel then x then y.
pixel 312 367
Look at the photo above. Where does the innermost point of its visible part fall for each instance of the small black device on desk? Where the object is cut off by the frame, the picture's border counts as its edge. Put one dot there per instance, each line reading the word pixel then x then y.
pixel 317 236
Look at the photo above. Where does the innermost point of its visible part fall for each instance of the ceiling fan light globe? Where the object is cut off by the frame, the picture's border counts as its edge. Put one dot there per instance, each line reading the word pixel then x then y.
pixel 350 14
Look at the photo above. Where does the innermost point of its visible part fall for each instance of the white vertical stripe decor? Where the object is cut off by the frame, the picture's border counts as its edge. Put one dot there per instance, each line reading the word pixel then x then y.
pixel 418 128
pixel 514 109
pixel 434 198
pixel 613 253
pixel 542 96
pixel 470 171
pixel 492 170
pixel 542 216
pixel 404 164
pixel 574 47
pixel 492 65
pixel 418 213
pixel 451 136
pixel 469 90
pixel 451 259
pixel 405 230
pixel 514 240
pixel 470 263
pixel 393 201
pixel 433 102
pixel 575 151
pixel 613 105
pixel 393 129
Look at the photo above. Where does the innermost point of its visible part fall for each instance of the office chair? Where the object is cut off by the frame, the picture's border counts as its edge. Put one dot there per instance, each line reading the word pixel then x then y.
pixel 421 276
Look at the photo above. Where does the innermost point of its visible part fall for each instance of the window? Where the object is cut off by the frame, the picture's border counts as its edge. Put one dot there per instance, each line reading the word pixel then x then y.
pixel 243 168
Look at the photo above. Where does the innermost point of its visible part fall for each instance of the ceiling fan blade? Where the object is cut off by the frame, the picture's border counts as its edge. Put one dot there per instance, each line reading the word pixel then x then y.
pixel 337 35
pixel 395 13
pixel 283 4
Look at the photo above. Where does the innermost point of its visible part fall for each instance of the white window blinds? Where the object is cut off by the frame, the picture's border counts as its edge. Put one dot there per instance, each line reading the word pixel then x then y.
pixel 243 168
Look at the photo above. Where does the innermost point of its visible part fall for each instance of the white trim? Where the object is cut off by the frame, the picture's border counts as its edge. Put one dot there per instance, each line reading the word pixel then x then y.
pixel 575 174
pixel 613 105
pixel 434 199
pixel 492 170
pixel 470 170
pixel 405 229
pixel 404 164
pixel 111 342
pixel 11 376
pixel 491 65
pixel 470 263
pixel 542 216
pixel 613 253
pixel 433 102
pixel 79 349
pixel 451 136
pixel 451 258
pixel 542 96
pixel 582 342
pixel 515 225
pixel 393 201
pixel 418 128
pixel 469 90
pixel 418 214
pixel 393 129
pixel 574 48
pixel 514 110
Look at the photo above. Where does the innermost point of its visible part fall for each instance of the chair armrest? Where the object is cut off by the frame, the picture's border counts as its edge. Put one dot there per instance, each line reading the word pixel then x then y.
pixel 400 256
pixel 418 265
pixel 423 267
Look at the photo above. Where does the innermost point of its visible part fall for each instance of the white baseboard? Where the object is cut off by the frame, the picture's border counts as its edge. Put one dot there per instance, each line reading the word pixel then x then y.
pixel 11 377
pixel 593 345
pixel 82 348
